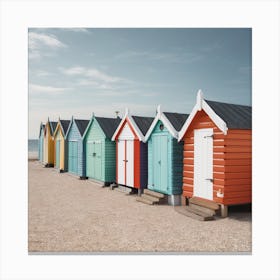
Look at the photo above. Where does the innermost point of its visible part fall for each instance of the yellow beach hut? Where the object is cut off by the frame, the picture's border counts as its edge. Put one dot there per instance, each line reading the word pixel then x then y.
pixel 48 143
pixel 60 159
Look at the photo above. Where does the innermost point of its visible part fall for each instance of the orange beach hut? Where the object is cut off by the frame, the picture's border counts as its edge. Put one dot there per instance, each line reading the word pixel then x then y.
pixel 218 153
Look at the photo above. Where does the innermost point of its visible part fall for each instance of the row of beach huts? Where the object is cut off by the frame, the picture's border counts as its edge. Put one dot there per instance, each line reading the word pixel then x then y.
pixel 202 159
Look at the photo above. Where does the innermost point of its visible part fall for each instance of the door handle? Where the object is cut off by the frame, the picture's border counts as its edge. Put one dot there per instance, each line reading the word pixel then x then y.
pixel 207 136
pixel 159 161
pixel 211 180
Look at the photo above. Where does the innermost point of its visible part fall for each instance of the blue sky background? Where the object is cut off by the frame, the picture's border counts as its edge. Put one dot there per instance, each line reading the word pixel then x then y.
pixel 77 71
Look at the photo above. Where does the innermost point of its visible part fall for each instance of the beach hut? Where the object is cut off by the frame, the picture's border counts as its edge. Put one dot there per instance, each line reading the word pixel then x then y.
pixel 218 153
pixel 100 150
pixel 165 155
pixel 48 143
pixel 75 147
pixel 60 159
pixel 41 143
pixel 132 152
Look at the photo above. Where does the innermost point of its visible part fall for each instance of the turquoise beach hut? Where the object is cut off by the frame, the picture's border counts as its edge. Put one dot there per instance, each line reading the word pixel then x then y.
pixel 41 143
pixel 75 147
pixel 165 155
pixel 100 150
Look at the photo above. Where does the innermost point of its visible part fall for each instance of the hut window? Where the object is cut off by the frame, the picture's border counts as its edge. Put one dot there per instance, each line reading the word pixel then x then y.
pixel 161 127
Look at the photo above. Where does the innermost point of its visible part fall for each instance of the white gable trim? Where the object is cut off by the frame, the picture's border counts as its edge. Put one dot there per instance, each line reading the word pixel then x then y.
pixel 127 117
pixel 160 116
pixel 201 104
pixel 69 127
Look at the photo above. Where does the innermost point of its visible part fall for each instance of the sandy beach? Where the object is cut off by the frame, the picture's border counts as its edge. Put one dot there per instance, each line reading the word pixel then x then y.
pixel 71 215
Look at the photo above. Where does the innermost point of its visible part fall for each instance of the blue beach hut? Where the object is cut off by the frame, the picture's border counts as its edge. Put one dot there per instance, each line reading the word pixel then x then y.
pixel 165 155
pixel 75 147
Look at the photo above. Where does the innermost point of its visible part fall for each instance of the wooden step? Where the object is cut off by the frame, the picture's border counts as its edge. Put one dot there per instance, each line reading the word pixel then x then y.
pixel 203 209
pixel 204 202
pixel 152 193
pixel 185 210
pixel 144 200
pixel 152 198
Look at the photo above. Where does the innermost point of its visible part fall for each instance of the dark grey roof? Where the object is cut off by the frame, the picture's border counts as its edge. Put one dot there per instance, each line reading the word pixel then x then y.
pixel 143 123
pixel 53 127
pixel 108 125
pixel 82 125
pixel 177 120
pixel 235 116
pixel 65 125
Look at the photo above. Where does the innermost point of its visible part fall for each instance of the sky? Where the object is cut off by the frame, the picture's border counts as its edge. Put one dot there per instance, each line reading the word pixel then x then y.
pixel 80 71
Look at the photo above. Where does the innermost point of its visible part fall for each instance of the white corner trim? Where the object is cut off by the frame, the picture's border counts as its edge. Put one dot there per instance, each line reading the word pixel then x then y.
pixel 166 122
pixel 188 122
pixel 169 126
pixel 120 125
pixel 201 104
pixel 150 130
pixel 199 99
pixel 127 117
pixel 136 128
pixel 215 118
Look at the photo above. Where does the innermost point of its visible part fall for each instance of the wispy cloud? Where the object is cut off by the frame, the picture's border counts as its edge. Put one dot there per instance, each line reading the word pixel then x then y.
pixel 42 89
pixel 42 73
pixel 178 56
pixel 91 73
pixel 76 29
pixel 39 41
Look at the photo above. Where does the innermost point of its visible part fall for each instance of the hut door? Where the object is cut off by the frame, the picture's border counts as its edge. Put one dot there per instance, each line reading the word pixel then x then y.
pixel 97 160
pixel 160 151
pixel 126 162
pixel 203 163
pixel 89 159
pixel 57 154
pixel 73 156
pixel 121 162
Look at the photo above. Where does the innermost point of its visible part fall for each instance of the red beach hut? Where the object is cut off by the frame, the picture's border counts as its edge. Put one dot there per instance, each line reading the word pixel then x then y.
pixel 131 151
pixel 218 153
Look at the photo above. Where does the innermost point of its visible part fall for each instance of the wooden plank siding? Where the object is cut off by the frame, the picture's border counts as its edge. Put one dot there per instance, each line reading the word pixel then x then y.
pixel 74 135
pixel 48 146
pixel 59 137
pixel 174 162
pixel 232 162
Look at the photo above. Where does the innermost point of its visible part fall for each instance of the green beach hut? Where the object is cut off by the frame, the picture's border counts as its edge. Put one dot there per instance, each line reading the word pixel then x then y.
pixel 100 150
pixel 165 155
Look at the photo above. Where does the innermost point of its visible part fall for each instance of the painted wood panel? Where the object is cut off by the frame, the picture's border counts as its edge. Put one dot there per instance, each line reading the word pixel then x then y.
pixel 61 156
pixel 76 155
pixel 48 146
pixel 232 162
pixel 165 162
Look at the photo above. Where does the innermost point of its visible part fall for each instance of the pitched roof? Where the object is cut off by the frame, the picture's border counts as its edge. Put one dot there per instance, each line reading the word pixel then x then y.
pixel 108 125
pixel 53 127
pixel 235 116
pixel 42 126
pixel 177 120
pixel 143 123
pixel 65 124
pixel 82 125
